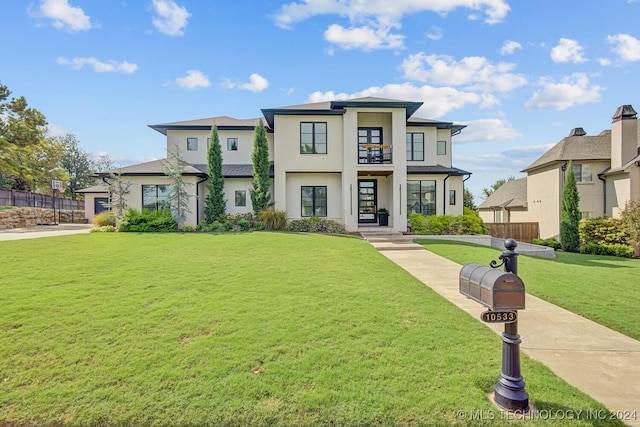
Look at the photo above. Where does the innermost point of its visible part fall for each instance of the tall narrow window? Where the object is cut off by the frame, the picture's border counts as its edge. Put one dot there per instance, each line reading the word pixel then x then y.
pixel 241 198
pixel 313 138
pixel 232 144
pixel 314 200
pixel 155 197
pixel 441 148
pixel 421 197
pixel 497 217
pixel 452 197
pixel 415 146
pixel 192 144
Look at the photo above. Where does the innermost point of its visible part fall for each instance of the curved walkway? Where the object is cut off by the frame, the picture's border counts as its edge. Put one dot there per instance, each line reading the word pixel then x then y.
pixel 603 363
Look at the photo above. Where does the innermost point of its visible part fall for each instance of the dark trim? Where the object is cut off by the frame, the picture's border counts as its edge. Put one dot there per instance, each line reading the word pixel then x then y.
pixel 164 128
pixel 412 145
pixel 409 106
pixel 270 113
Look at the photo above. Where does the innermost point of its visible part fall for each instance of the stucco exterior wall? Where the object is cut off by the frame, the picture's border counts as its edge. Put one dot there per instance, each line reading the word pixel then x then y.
pixel 89 204
pixel 543 198
pixel 333 182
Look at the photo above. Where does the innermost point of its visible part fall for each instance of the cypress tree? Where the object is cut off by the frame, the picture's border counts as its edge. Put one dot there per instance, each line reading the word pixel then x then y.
pixel 570 213
pixel 215 203
pixel 260 191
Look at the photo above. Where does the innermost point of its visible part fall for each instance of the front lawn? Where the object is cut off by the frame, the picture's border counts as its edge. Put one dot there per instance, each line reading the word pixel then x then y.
pixel 241 329
pixel 601 288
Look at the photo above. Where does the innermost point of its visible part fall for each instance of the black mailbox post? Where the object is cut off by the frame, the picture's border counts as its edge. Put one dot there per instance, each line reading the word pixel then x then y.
pixel 502 292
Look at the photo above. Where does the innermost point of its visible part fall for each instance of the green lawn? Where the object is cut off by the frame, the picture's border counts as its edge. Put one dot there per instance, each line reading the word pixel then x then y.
pixel 601 288
pixel 241 329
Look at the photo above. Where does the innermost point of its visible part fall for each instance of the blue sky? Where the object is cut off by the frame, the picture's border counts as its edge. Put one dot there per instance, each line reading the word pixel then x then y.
pixel 520 74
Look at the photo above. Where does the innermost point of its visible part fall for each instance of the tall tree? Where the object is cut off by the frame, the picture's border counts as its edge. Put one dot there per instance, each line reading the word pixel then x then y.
pixel 178 195
pixel 570 213
pixel 631 217
pixel 215 203
pixel 499 183
pixel 261 189
pixel 119 189
pixel 77 163
pixel 21 132
pixel 468 199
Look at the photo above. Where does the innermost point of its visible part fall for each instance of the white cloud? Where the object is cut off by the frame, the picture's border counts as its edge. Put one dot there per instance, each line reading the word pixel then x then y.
pixel 438 101
pixel 170 19
pixel 474 72
pixel 256 83
pixel 572 90
pixel 384 10
pixel 435 33
pixel 64 16
pixel 567 51
pixel 365 38
pixel 97 65
pixel 605 62
pixel 487 130
pixel 625 46
pixel 193 80
pixel 509 47
pixel 55 130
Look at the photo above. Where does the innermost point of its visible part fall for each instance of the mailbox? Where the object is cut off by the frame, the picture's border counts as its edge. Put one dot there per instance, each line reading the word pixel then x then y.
pixel 493 288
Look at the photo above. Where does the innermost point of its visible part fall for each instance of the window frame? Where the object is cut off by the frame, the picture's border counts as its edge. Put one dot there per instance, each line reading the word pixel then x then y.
pixel 412 143
pixel 579 176
pixel 443 145
pixel 424 207
pixel 231 141
pixel 314 138
pixel 243 194
pixel 452 197
pixel 315 202
pixel 190 141
pixel 161 201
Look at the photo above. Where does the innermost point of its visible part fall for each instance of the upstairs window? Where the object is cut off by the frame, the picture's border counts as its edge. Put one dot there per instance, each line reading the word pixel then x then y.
pixel 192 144
pixel 582 172
pixel 313 138
pixel 441 148
pixel 415 146
pixel 232 144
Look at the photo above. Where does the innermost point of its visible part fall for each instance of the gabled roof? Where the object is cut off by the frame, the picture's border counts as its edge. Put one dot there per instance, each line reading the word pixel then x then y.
pixel 93 189
pixel 222 122
pixel 579 147
pixel 511 194
pixel 624 168
pixel 152 168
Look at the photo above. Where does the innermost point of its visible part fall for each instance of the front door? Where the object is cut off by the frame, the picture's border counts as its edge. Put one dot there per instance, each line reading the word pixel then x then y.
pixel 367 201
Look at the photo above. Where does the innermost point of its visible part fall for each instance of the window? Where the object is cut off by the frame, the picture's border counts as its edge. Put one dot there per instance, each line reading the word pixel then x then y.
pixel 582 172
pixel 192 144
pixel 232 144
pixel 313 138
pixel 586 215
pixel 497 216
pixel 241 198
pixel 371 150
pixel 314 200
pixel 441 148
pixel 415 146
pixel 155 197
pixel 421 197
pixel 452 197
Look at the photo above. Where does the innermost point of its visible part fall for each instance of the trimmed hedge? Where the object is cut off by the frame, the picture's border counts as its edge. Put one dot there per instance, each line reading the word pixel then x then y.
pixel 315 224
pixel 612 249
pixel 605 236
pixel 447 224
pixel 148 222
pixel 550 242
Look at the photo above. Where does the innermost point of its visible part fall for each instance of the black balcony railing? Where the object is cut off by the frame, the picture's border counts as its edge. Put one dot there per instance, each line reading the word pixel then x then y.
pixel 374 155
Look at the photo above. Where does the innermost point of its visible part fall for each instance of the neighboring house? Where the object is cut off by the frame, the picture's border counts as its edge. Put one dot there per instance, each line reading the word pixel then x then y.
pixel 96 199
pixel 342 160
pixel 507 204
pixel 607 171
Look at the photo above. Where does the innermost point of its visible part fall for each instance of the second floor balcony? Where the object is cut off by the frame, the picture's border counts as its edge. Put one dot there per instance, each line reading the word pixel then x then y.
pixel 373 154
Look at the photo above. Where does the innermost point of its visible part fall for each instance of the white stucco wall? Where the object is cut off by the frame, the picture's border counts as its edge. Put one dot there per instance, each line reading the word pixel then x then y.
pixel 333 182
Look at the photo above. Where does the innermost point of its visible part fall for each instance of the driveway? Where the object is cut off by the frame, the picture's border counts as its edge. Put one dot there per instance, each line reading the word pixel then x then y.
pixel 43 231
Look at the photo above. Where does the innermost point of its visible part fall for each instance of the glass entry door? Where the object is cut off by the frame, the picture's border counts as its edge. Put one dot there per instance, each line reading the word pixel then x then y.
pixel 367 201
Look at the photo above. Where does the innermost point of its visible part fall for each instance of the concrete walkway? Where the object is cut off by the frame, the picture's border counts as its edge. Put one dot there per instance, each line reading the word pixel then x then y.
pixel 599 361
pixel 43 231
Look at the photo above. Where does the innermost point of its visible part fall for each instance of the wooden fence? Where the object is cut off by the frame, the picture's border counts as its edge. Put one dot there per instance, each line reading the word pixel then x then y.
pixel 37 200
pixel 521 231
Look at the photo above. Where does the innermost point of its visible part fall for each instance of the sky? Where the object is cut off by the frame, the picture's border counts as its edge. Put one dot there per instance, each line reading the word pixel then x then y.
pixel 519 74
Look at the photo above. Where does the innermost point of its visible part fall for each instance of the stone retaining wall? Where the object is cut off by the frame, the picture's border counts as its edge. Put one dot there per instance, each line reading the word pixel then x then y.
pixel 30 217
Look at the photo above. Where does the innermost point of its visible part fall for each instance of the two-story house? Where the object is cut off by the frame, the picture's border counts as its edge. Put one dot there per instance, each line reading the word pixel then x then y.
pixel 607 171
pixel 342 160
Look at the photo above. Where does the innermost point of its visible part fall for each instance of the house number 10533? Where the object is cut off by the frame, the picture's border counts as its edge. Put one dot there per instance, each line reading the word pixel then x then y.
pixel 499 316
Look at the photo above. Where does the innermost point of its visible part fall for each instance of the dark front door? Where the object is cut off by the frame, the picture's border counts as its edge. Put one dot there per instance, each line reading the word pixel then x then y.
pixel 99 204
pixel 367 201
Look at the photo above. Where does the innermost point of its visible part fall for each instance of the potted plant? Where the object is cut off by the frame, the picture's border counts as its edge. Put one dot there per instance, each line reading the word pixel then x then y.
pixel 383 217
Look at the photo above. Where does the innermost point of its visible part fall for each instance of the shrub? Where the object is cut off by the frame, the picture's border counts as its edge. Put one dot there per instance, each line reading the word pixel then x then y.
pixel 612 249
pixel 315 224
pixel 244 225
pixel 446 224
pixel 104 218
pixel 103 229
pixel 273 219
pixel 147 221
pixel 550 242
pixel 603 230
pixel 188 229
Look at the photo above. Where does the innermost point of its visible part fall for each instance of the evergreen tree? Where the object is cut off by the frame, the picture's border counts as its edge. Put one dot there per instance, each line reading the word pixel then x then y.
pixel 178 194
pixel 468 200
pixel 215 203
pixel 260 191
pixel 118 191
pixel 570 213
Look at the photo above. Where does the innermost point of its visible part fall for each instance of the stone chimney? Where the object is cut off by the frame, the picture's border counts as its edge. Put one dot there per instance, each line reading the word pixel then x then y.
pixel 624 136
pixel 577 132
